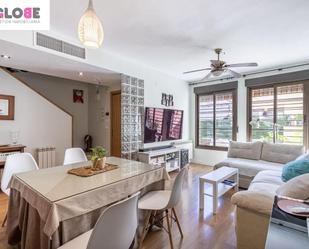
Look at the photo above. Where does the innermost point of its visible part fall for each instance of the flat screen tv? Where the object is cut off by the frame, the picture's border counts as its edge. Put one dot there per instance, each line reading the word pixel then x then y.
pixel 162 125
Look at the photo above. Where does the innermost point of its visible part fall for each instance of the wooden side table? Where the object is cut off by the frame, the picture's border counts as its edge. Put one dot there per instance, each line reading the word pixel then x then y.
pixel 9 149
pixel 218 185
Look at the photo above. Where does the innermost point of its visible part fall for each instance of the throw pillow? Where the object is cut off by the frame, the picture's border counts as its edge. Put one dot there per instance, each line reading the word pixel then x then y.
pixel 304 156
pixel 295 168
pixel 297 188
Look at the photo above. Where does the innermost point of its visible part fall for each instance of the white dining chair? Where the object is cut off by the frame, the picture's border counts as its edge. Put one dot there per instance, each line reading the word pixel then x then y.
pixel 74 155
pixel 115 229
pixel 155 202
pixel 16 163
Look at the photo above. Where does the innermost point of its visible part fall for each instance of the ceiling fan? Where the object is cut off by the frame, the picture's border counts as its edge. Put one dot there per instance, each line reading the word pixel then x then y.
pixel 218 67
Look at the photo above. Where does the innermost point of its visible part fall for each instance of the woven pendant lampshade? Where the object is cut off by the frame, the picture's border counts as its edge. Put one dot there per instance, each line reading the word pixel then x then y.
pixel 90 30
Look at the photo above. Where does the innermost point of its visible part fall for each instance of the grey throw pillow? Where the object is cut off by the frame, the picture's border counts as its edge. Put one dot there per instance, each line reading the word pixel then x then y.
pixel 297 188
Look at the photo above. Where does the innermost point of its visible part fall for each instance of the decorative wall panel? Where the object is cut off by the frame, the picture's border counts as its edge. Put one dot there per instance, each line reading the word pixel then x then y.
pixel 132 116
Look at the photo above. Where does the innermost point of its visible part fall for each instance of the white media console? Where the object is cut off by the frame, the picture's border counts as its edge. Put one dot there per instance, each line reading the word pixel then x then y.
pixel 168 157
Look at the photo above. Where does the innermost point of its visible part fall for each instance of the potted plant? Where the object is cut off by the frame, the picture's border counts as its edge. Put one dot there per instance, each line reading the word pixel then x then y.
pixel 98 157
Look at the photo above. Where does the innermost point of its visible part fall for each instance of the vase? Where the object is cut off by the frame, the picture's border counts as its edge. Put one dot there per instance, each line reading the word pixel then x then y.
pixel 99 164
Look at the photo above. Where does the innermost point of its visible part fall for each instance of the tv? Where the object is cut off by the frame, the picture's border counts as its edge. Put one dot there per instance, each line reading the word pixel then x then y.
pixel 162 124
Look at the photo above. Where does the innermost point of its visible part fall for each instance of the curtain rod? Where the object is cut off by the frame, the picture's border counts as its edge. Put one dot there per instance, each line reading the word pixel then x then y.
pixel 249 74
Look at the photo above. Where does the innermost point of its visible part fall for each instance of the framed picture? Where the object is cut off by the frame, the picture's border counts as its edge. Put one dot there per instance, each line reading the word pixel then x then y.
pixel 78 96
pixel 163 99
pixel 7 107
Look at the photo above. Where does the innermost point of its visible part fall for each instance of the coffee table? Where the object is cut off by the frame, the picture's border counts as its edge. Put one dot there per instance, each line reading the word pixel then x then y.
pixel 220 181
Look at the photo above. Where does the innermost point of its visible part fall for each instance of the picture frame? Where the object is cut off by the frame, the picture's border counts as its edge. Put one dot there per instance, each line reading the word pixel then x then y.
pixel 163 99
pixel 167 100
pixel 7 107
pixel 78 96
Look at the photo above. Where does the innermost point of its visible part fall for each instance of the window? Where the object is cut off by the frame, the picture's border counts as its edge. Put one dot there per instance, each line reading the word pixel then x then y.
pixel 216 119
pixel 276 114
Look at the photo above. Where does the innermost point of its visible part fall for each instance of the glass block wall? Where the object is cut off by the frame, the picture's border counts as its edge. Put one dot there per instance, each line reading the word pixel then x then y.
pixel 132 116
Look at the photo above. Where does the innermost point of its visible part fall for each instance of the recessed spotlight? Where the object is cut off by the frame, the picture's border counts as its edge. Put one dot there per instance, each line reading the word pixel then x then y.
pixel 81 74
pixel 5 56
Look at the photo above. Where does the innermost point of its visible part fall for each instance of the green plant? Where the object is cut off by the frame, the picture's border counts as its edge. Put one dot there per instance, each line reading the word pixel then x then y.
pixel 97 153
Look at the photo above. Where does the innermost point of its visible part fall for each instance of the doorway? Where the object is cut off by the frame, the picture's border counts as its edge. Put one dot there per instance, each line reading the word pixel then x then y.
pixel 116 123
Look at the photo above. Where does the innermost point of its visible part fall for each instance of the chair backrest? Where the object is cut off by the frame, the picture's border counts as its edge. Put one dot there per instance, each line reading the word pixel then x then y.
pixel 16 163
pixel 177 188
pixel 116 227
pixel 74 155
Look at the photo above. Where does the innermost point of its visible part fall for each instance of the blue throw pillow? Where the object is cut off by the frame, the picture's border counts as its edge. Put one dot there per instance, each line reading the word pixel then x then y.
pixel 295 168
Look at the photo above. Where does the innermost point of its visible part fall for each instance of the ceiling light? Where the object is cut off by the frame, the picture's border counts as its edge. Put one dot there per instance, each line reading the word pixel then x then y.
pixel 90 30
pixel 81 74
pixel 4 56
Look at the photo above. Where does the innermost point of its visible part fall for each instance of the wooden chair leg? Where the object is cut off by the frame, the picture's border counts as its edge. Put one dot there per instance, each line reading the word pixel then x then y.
pixel 169 229
pixel 146 223
pixel 177 221
pixel 4 221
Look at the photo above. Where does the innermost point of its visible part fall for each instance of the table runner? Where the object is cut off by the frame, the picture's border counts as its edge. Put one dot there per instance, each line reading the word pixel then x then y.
pixel 55 209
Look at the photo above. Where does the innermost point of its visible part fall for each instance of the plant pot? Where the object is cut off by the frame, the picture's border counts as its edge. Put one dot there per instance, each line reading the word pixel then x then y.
pixel 99 164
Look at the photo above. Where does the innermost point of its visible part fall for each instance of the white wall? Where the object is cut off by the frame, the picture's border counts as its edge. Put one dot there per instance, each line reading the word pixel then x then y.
pixel 156 82
pixel 211 157
pixel 60 91
pixel 40 122
pixel 99 123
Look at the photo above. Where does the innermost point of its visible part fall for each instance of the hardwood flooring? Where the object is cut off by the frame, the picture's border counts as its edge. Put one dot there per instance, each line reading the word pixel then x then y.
pixel 202 230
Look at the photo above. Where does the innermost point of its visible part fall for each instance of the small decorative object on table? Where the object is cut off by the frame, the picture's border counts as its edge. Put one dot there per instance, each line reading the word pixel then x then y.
pixel 98 158
pixel 99 165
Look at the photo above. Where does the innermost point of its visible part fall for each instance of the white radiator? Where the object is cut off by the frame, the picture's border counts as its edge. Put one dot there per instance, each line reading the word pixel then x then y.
pixel 46 157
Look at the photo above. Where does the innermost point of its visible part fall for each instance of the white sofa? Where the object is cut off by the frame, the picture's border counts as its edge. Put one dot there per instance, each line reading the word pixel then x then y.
pixel 252 158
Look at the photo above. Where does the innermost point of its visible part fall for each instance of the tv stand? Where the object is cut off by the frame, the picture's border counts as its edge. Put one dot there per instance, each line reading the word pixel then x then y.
pixel 169 158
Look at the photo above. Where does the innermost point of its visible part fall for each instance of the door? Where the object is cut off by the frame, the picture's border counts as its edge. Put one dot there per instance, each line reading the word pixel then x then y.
pixel 116 123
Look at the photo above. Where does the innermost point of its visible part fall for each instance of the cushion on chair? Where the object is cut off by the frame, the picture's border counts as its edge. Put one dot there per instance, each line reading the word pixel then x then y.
pixel 294 169
pixel 154 200
pixel 281 153
pixel 79 242
pixel 297 188
pixel 245 150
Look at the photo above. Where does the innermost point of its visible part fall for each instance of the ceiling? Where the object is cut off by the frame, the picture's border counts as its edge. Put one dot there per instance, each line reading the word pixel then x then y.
pixel 39 62
pixel 179 35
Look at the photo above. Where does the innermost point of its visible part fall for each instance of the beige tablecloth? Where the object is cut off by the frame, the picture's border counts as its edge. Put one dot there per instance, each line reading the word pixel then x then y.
pixel 38 217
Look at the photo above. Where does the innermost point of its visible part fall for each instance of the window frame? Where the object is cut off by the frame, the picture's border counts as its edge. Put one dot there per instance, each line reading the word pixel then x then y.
pixel 275 86
pixel 197 119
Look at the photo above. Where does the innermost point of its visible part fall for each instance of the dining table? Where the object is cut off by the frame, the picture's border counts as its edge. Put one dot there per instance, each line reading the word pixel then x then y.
pixel 49 207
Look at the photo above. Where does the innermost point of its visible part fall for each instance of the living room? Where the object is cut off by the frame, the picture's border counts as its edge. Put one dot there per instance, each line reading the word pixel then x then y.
pixel 170 112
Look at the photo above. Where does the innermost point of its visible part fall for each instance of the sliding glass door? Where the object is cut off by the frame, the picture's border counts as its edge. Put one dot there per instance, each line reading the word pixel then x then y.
pixel 276 113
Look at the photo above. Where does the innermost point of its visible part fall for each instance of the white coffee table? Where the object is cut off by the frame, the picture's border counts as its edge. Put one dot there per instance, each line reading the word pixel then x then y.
pixel 217 187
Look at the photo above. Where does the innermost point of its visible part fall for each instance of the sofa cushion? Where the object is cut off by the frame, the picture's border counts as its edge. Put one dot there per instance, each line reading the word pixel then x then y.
pixel 261 193
pixel 245 150
pixel 281 153
pixel 267 181
pixel 294 169
pixel 249 167
pixel 297 188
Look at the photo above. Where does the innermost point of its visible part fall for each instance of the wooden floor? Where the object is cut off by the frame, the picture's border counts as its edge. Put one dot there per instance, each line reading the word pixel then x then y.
pixel 202 230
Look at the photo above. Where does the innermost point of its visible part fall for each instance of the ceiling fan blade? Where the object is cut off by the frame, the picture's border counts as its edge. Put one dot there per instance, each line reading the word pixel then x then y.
pixel 250 64
pixel 207 77
pixel 233 73
pixel 198 70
